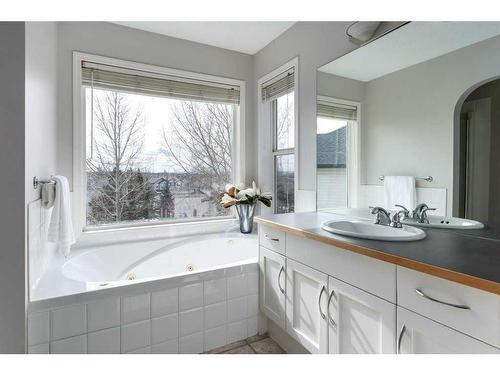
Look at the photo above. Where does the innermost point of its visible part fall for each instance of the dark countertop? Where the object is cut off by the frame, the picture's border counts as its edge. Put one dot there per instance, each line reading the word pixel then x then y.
pixel 468 260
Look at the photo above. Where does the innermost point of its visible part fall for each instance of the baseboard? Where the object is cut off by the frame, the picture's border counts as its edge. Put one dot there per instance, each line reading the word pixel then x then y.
pixel 290 345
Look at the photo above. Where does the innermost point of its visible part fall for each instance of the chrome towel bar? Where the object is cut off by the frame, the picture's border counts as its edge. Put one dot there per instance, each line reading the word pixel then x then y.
pixel 427 178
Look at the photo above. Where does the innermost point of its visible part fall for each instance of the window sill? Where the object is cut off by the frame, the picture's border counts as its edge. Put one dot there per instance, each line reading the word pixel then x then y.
pixel 115 235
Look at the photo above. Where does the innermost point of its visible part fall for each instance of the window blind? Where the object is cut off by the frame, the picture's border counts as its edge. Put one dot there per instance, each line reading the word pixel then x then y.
pixel 336 111
pixel 279 85
pixel 108 77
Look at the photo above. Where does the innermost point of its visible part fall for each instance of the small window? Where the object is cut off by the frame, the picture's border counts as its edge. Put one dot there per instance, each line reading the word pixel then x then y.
pixel 336 124
pixel 279 94
pixel 158 148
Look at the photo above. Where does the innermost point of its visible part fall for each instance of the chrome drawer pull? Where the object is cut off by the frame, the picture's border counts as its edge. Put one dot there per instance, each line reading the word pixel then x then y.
pixel 422 294
pixel 271 239
pixel 279 279
pixel 400 338
pixel 323 289
pixel 332 322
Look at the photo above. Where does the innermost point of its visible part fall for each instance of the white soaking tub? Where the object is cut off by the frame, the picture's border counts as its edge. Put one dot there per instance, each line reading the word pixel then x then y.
pixel 185 295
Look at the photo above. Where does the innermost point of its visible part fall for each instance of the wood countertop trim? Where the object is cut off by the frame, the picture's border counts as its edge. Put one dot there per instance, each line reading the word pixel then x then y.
pixel 461 278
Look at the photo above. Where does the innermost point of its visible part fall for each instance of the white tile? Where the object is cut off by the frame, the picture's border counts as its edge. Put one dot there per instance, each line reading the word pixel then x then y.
pixel 236 331
pixel 38 328
pixel 191 344
pixel 34 215
pixel 106 341
pixel 165 302
pixel 68 321
pixel 215 291
pixel 164 328
pixel 252 326
pixel 215 338
pixel 39 349
pixel 236 309
pixel 252 283
pixel 236 286
pixel 73 345
pixel 103 314
pixel 252 305
pixel 215 315
pixel 191 321
pixel 135 336
pixel 167 347
pixel 190 296
pixel 135 308
pixel 146 350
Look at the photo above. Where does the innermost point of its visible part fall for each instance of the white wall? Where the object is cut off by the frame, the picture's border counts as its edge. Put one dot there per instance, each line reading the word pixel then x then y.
pixel 125 43
pixel 12 219
pixel 315 43
pixel 41 136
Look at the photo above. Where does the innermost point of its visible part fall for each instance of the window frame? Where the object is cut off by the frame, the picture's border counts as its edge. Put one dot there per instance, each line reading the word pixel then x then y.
pixel 353 151
pixel 79 190
pixel 267 134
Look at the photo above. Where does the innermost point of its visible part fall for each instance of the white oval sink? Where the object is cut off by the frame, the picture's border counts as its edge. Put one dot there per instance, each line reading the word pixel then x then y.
pixel 369 230
pixel 446 223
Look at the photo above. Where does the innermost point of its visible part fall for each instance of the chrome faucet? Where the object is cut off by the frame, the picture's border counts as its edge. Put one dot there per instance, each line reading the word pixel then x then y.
pixel 383 217
pixel 420 213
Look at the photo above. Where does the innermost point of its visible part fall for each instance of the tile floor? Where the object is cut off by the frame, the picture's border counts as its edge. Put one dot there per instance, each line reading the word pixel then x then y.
pixel 259 344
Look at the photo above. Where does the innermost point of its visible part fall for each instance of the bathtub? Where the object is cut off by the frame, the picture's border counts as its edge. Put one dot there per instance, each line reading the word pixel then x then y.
pixel 176 295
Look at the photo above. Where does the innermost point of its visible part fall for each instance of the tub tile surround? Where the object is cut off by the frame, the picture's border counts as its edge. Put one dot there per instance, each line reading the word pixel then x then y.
pixel 194 315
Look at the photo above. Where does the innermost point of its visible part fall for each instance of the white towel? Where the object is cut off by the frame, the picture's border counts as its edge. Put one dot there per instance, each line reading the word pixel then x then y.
pixel 400 190
pixel 48 194
pixel 61 226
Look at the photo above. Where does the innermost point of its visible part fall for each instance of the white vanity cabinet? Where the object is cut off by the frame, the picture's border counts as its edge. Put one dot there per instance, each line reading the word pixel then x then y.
pixel 420 335
pixel 272 285
pixel 306 306
pixel 359 322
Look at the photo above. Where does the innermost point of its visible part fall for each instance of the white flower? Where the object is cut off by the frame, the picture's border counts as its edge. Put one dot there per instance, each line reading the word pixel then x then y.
pixel 240 186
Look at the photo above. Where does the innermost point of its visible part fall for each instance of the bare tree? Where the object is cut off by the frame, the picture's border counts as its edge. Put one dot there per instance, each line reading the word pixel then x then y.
pixel 199 143
pixel 116 190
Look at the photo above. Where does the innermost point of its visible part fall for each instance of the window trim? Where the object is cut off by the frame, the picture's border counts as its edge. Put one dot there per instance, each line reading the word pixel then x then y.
pixel 79 139
pixel 353 153
pixel 266 139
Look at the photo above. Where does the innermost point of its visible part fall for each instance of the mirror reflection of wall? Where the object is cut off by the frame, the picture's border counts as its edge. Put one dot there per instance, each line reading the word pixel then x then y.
pixel 426 97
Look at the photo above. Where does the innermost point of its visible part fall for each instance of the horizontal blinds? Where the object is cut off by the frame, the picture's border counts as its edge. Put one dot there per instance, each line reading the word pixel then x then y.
pixel 336 111
pixel 114 78
pixel 279 85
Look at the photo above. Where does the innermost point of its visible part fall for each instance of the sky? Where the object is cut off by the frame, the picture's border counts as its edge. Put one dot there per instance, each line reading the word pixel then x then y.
pixel 156 114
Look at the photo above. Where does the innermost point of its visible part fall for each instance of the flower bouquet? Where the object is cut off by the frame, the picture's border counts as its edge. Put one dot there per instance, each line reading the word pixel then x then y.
pixel 244 200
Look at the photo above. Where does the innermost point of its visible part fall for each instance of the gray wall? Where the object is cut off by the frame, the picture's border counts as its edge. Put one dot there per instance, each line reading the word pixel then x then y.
pixel 120 42
pixel 12 220
pixel 340 87
pixel 315 43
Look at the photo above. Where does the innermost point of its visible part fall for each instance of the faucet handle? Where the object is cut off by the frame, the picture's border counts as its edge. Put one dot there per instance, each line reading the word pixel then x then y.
pixel 396 219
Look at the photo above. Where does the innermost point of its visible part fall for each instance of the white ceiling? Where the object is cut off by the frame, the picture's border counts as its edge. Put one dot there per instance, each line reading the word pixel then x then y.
pixel 409 45
pixel 246 37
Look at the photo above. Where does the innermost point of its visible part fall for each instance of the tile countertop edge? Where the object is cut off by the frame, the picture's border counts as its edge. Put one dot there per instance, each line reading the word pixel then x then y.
pixel 444 273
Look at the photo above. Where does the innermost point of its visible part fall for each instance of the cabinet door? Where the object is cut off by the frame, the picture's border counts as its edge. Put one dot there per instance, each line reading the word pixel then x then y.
pixel 272 285
pixel 419 335
pixel 359 322
pixel 306 296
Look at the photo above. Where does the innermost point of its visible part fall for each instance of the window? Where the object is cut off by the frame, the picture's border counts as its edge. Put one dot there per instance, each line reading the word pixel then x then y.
pixel 158 148
pixel 336 132
pixel 279 94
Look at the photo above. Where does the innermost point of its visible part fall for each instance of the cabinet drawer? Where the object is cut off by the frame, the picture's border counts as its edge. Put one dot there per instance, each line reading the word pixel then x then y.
pixel 468 310
pixel 372 275
pixel 272 239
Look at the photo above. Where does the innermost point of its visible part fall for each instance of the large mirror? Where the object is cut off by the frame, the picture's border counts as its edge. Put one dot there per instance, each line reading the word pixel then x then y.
pixel 419 104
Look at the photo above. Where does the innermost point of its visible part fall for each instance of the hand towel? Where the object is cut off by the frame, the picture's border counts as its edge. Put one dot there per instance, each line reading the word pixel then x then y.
pixel 61 226
pixel 48 194
pixel 400 190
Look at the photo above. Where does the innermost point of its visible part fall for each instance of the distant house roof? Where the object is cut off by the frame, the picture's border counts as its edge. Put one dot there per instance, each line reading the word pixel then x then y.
pixel 331 149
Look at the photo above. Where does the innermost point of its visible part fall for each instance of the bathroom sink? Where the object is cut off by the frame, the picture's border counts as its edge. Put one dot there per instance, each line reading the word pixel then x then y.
pixel 369 230
pixel 446 223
